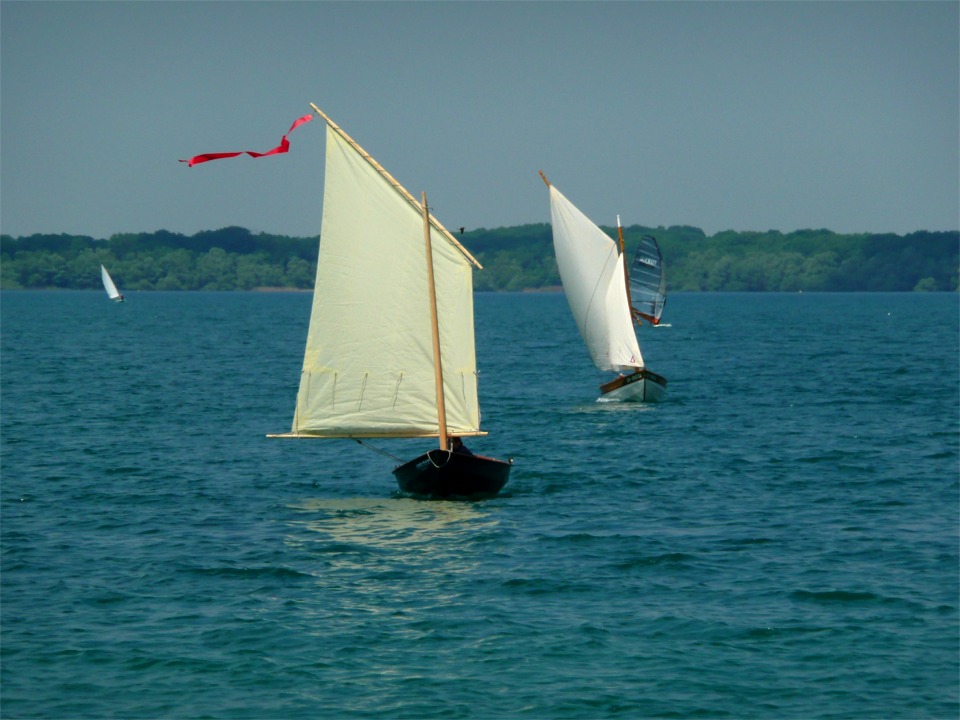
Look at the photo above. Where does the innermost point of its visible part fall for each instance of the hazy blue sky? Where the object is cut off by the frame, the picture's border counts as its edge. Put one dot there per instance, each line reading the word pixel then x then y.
pixel 744 116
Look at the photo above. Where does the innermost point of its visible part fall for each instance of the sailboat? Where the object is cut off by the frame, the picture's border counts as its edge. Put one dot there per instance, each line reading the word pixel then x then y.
pixel 599 290
pixel 390 348
pixel 108 285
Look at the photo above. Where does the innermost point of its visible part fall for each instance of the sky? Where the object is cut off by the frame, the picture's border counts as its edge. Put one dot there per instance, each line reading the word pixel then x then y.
pixel 720 115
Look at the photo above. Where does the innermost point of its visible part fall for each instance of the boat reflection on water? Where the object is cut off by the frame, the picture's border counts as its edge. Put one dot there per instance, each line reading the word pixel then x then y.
pixel 387 530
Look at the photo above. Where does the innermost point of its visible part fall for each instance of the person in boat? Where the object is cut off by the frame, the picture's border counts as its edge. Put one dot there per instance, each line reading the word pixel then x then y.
pixel 457 446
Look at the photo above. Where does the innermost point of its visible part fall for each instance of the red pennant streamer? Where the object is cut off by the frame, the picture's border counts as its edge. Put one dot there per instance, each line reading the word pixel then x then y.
pixel 283 147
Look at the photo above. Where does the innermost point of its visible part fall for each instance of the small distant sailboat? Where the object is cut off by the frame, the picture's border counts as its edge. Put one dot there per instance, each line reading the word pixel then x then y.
pixel 108 285
pixel 390 348
pixel 605 300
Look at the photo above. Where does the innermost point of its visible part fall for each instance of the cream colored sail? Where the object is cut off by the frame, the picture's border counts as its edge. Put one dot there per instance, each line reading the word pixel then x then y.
pixel 368 369
pixel 594 281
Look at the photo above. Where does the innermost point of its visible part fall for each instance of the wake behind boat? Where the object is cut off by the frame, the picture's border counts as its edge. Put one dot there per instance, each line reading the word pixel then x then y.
pixel 109 286
pixel 599 290
pixel 390 348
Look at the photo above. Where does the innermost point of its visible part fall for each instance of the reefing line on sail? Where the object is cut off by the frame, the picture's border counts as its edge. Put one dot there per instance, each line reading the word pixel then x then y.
pixel 299 432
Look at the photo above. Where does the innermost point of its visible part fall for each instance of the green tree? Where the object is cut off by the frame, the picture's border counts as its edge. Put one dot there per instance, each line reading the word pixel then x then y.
pixel 300 274
pixel 514 257
pixel 216 270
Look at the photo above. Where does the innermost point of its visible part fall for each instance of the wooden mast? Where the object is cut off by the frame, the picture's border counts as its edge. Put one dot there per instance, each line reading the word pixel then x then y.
pixel 626 274
pixel 400 188
pixel 434 325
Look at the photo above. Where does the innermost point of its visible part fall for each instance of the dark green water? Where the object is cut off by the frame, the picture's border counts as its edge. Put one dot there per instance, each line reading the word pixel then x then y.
pixel 779 539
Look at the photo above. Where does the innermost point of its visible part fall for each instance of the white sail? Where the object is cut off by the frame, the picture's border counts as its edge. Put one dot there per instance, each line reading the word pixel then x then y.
pixel 594 281
pixel 368 369
pixel 108 285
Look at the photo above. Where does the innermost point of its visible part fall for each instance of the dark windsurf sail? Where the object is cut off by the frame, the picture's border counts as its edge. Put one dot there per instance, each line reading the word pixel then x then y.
pixel 648 285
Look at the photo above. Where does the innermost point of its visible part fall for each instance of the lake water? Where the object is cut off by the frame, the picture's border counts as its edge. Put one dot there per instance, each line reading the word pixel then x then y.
pixel 779 539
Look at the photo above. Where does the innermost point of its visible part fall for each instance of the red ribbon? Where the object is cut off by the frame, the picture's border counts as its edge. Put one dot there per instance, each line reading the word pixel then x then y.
pixel 283 147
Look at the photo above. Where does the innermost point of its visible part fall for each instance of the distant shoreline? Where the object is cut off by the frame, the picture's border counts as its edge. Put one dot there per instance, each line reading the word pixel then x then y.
pixel 271 290
pixel 520 259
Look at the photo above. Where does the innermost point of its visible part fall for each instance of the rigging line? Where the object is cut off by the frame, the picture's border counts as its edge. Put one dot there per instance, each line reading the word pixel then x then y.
pixel 377 450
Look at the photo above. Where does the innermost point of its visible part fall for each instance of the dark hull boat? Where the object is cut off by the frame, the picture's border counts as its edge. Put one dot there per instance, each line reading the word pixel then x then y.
pixel 442 474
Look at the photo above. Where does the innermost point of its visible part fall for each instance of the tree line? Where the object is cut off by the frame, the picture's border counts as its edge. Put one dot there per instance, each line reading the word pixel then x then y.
pixel 514 258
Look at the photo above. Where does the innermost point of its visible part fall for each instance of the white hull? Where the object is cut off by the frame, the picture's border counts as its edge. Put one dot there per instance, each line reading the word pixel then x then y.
pixel 641 386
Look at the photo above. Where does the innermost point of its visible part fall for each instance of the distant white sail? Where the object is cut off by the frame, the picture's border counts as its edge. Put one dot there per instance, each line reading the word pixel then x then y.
pixel 592 271
pixel 368 369
pixel 108 285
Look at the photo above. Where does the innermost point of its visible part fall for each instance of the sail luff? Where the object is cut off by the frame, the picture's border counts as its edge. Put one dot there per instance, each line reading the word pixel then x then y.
pixel 434 326
pixel 403 191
